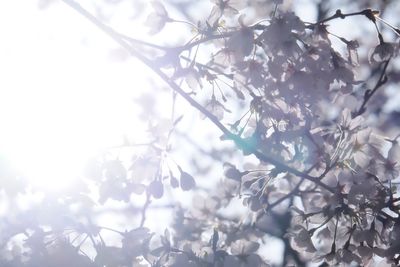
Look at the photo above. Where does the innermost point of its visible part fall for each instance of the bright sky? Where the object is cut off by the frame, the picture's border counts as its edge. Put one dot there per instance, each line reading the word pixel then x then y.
pixel 62 96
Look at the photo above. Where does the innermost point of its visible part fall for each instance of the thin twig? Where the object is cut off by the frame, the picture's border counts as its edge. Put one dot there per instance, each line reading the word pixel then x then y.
pixel 369 13
pixel 144 209
pixel 288 195
pixel 369 93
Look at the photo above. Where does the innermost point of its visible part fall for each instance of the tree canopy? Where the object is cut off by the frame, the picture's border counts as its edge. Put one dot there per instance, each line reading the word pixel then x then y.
pixel 280 146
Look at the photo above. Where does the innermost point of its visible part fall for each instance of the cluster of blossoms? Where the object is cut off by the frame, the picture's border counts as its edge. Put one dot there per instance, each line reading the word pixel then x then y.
pixel 317 169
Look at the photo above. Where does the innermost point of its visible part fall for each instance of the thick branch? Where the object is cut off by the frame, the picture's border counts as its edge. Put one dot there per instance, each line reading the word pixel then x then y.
pixel 227 134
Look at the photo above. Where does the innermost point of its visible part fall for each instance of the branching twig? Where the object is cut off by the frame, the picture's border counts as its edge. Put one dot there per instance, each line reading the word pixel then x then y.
pixel 287 196
pixel 369 13
pixel 369 93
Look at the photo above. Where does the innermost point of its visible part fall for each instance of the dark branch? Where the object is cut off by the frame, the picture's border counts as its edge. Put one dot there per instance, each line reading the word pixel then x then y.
pixel 241 143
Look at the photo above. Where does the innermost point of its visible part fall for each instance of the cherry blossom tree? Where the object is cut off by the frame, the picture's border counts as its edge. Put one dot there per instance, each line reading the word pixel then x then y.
pixel 302 149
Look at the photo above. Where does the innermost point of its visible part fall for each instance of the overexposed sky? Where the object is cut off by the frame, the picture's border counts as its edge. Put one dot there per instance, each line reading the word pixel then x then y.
pixel 63 97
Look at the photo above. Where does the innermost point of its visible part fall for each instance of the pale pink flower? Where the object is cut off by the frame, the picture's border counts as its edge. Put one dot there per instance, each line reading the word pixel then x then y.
pixel 158 18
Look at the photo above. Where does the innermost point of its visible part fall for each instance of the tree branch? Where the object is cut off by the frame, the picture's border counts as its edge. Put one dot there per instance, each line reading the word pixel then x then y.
pixel 241 143
pixel 369 93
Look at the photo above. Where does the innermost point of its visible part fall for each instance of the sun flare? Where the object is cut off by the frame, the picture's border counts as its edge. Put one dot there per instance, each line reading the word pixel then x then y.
pixel 62 101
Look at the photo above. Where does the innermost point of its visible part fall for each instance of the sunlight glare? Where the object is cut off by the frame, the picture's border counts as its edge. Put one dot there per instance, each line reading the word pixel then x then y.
pixel 62 100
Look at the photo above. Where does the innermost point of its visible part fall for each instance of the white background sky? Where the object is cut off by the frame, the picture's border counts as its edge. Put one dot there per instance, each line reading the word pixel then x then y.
pixel 62 96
